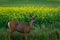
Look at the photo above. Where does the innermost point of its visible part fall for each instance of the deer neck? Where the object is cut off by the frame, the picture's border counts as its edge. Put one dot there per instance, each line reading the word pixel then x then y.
pixel 31 23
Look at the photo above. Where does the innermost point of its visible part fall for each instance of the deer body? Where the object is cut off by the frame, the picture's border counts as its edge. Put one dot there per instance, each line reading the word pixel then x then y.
pixel 20 27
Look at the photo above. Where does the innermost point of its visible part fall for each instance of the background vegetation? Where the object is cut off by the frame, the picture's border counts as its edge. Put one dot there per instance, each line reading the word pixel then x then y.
pixel 46 27
pixel 44 3
pixel 47 24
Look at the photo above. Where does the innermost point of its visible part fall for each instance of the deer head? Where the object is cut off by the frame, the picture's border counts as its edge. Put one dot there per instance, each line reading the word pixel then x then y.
pixel 33 19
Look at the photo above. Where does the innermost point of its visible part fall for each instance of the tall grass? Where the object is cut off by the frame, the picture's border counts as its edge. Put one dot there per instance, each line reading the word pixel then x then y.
pixel 36 33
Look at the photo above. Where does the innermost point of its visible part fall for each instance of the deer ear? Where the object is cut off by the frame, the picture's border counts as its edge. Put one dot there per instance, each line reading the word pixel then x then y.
pixel 36 16
pixel 30 15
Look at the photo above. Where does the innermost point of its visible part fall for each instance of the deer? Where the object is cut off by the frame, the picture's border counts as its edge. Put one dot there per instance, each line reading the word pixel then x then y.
pixel 20 27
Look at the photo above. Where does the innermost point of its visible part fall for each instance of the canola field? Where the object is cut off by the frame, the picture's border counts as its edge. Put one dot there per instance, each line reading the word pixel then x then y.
pixel 44 14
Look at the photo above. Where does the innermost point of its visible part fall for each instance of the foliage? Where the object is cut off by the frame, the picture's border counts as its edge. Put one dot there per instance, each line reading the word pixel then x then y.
pixel 22 14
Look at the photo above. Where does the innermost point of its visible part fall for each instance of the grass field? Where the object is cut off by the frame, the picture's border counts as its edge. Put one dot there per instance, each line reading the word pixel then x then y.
pixel 47 25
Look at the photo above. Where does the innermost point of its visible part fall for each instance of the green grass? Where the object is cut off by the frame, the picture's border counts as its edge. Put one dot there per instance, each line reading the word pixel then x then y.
pixel 36 33
pixel 18 3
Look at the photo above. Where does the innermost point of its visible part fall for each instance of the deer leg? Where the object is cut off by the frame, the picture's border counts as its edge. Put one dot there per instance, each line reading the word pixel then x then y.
pixel 26 36
pixel 9 35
